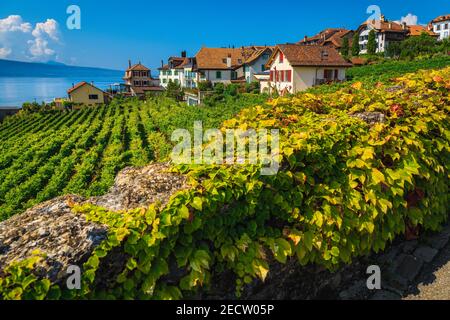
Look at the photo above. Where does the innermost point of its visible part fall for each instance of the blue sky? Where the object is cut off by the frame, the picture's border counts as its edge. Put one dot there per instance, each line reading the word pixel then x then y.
pixel 114 31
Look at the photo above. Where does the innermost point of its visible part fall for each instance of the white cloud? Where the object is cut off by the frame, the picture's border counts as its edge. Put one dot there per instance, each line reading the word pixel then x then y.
pixel 410 19
pixel 5 52
pixel 44 33
pixel 21 41
pixel 48 28
pixel 39 48
pixel 14 23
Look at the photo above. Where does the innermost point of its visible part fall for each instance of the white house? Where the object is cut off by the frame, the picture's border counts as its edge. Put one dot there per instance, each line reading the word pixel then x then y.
pixel 295 67
pixel 255 61
pixel 178 70
pixel 441 26
pixel 385 33
pixel 219 65
pixel 264 81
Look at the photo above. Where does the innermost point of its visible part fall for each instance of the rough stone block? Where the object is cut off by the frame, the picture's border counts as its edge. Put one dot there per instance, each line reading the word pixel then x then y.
pixel 409 267
pixel 410 246
pixel 358 291
pixel 425 253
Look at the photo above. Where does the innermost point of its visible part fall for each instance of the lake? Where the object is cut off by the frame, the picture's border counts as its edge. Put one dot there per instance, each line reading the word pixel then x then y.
pixel 14 91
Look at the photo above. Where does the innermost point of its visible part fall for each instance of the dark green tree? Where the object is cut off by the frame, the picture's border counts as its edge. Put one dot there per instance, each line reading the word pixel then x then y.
pixel 355 45
pixel 394 50
pixel 345 49
pixel 372 43
pixel 174 90
pixel 444 46
pixel 205 86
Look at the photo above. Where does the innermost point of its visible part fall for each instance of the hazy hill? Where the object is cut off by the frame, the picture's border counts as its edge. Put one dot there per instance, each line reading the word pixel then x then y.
pixel 9 68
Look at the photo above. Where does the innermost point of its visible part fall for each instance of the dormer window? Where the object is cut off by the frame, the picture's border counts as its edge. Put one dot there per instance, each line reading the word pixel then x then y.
pixel 224 61
pixel 239 61
pixel 324 55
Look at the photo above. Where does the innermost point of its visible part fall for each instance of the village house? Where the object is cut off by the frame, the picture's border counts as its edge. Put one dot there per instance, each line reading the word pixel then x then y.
pixel 138 81
pixel 441 26
pixel 178 70
pixel 219 65
pixel 385 33
pixel 255 60
pixel 295 67
pixel 331 37
pixel 87 94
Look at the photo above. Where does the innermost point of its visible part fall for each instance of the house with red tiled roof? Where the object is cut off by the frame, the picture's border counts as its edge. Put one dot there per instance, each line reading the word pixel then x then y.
pixel 178 70
pixel 441 26
pixel 85 93
pixel 255 60
pixel 231 65
pixel 417 30
pixel 222 65
pixel 295 67
pixel 385 32
pixel 139 81
pixel 332 37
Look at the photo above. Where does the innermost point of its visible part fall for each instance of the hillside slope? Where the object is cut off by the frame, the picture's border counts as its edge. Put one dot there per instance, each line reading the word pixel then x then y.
pixel 9 68
pixel 345 188
pixel 52 153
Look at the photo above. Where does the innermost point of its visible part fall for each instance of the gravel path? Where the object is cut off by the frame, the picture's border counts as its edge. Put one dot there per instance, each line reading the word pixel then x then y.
pixel 434 281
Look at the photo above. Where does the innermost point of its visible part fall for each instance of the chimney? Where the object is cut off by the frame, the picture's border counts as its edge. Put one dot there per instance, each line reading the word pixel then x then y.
pixel 390 25
pixel 92 83
pixel 404 25
pixel 305 38
pixel 229 61
pixel 162 63
pixel 183 54
pixel 129 63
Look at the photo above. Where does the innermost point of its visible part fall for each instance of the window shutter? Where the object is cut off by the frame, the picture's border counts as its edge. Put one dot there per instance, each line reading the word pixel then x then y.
pixel 289 75
pixel 271 75
pixel 281 57
pixel 282 75
pixel 277 76
pixel 336 74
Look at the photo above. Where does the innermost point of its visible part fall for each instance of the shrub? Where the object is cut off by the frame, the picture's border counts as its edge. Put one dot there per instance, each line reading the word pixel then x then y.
pixel 344 189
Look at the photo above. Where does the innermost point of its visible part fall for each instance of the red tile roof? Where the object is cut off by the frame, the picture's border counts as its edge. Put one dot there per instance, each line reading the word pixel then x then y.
pixel 215 58
pixel 310 55
pixel 79 85
pixel 418 30
pixel 254 54
pixel 445 17
pixel 384 26
pixel 325 34
pixel 138 67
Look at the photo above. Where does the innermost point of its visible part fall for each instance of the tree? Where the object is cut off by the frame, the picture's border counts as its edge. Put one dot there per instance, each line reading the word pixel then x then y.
pixel 371 43
pixel 28 107
pixel 355 45
pixel 417 46
pixel 394 50
pixel 174 90
pixel 445 46
pixel 345 47
pixel 205 86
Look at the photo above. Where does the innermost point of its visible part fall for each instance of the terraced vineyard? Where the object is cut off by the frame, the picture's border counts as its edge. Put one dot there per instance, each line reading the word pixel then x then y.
pixel 54 153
